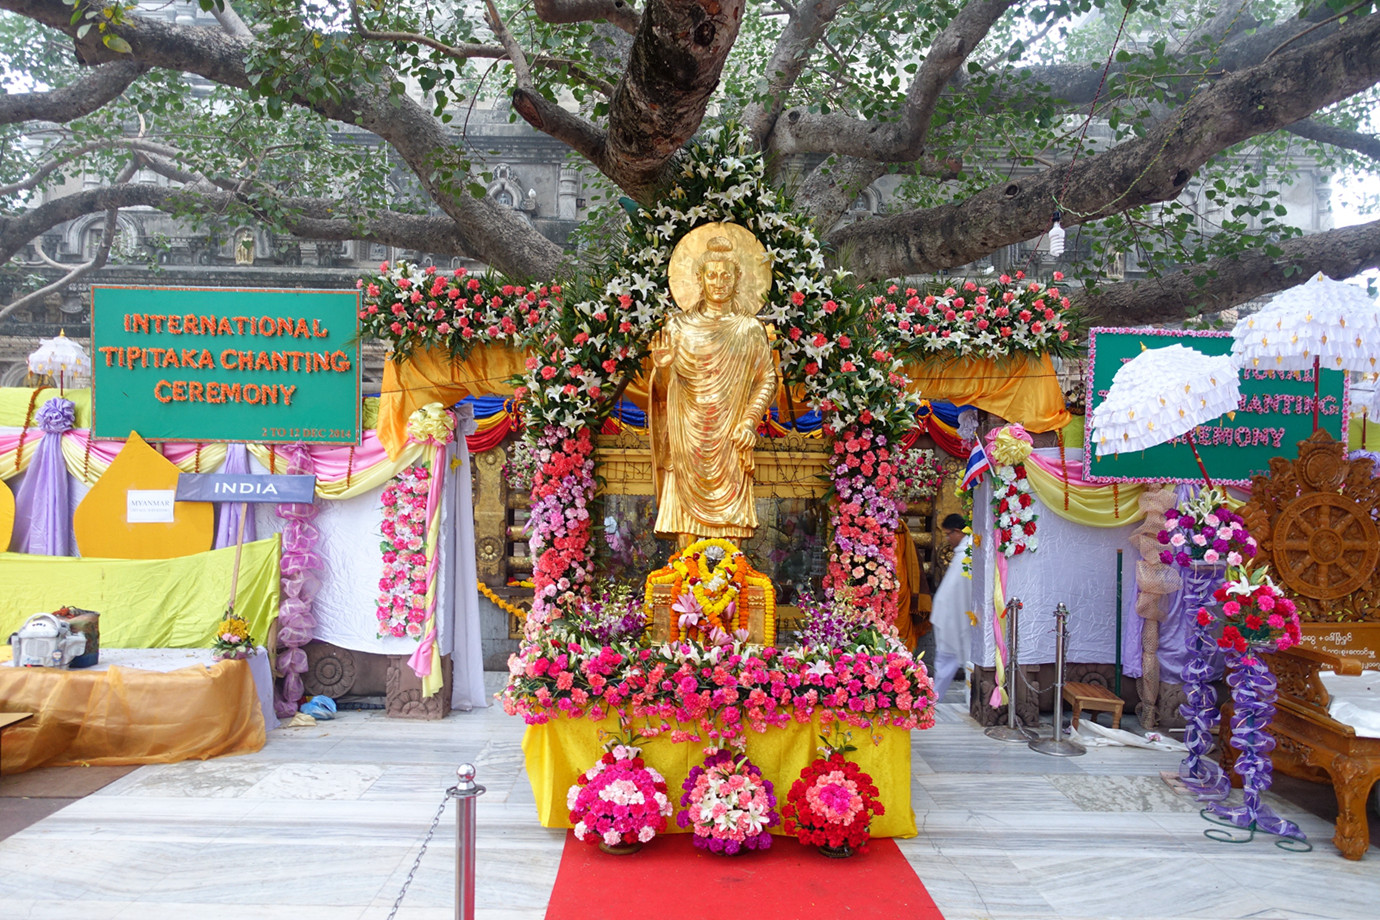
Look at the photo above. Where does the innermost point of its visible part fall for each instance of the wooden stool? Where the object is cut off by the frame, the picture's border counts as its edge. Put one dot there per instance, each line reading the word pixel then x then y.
pixel 1090 696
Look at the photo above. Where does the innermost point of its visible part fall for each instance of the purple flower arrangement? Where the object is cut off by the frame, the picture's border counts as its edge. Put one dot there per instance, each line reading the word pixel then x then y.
pixel 1206 530
pixel 614 615
pixel 728 804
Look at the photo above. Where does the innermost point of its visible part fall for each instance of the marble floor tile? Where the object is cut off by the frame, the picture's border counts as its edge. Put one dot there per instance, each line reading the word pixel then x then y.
pixel 328 821
pixel 1115 793
pixel 222 778
pixel 316 781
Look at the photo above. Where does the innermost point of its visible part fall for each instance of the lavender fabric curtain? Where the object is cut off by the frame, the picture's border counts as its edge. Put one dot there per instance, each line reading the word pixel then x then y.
pixel 1176 632
pixel 236 462
pixel 301 578
pixel 1132 626
pixel 42 520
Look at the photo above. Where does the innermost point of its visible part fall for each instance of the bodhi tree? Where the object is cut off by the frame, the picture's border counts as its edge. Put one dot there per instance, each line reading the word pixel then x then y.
pixel 999 118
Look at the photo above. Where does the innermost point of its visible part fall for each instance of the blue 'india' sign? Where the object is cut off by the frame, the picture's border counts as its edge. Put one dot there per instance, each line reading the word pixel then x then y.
pixel 232 487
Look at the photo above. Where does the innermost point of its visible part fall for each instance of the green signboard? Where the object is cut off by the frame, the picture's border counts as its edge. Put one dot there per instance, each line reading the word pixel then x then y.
pixel 1274 414
pixel 214 364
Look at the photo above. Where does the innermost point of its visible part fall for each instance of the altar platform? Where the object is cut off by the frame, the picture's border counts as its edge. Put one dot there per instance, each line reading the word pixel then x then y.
pixel 136 706
pixel 325 822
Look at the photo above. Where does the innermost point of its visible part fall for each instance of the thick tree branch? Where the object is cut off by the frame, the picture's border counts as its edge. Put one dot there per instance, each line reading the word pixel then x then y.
pixel 97 88
pixel 491 233
pixel 832 187
pixel 1146 170
pixel 946 55
pixel 1334 136
pixel 804 29
pixel 1234 280
pixel 673 70
pixel 617 12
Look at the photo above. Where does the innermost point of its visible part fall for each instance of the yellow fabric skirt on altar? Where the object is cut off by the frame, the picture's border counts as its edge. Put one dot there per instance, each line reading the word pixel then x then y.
pixel 560 750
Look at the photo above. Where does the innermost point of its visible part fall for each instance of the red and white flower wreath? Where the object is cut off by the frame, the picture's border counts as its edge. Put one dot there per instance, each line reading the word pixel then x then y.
pixel 1013 508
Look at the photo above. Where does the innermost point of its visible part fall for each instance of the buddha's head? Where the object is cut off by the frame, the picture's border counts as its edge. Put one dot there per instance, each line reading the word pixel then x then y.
pixel 718 272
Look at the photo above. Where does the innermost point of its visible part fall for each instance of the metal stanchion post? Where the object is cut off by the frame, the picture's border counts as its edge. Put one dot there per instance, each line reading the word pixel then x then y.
pixel 1012 730
pixel 465 791
pixel 1058 745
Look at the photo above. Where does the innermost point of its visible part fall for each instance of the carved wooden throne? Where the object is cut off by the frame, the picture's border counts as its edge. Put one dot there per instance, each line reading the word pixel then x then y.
pixel 1315 519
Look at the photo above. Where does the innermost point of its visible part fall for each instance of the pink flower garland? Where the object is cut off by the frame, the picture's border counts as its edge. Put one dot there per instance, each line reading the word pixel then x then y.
pixel 560 526
pixel 402 589
pixel 692 694
pixel 864 518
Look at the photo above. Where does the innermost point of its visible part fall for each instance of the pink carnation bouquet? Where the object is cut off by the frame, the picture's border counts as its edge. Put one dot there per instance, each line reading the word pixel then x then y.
pixel 619 801
pixel 728 804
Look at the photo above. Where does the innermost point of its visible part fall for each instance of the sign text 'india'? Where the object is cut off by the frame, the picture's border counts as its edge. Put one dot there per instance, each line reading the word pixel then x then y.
pixel 244 487
pixel 199 364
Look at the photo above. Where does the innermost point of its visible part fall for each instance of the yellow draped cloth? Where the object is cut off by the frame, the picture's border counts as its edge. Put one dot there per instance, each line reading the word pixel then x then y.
pixel 1021 388
pixel 1089 505
pixel 126 716
pixel 433 375
pixel 560 750
pixel 146 603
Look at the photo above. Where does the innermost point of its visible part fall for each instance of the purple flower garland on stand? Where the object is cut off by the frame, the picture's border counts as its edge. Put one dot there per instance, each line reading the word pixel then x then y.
pixel 1259 619
pixel 1199 773
pixel 1253 700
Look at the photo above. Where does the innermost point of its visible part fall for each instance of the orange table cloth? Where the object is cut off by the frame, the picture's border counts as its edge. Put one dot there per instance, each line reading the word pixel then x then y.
pixel 129 716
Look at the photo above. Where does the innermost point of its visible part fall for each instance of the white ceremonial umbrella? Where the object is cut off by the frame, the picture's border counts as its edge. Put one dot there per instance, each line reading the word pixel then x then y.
pixel 62 359
pixel 1318 324
pixel 1162 393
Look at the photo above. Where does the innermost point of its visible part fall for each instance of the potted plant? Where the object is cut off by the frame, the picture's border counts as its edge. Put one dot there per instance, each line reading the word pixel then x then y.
pixel 728 804
pixel 620 803
pixel 832 804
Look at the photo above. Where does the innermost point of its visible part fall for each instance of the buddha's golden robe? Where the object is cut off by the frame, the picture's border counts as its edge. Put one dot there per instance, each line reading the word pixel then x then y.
pixel 721 374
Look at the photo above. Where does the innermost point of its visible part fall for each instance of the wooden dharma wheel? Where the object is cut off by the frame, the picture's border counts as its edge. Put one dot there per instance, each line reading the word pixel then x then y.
pixel 1324 546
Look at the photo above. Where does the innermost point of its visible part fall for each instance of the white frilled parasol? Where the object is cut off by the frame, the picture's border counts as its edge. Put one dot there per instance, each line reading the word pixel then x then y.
pixel 1318 324
pixel 1162 393
pixel 62 359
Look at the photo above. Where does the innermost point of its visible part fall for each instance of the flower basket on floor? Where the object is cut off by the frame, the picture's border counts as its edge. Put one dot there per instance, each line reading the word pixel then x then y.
pixel 728 804
pixel 832 804
pixel 232 639
pixel 620 803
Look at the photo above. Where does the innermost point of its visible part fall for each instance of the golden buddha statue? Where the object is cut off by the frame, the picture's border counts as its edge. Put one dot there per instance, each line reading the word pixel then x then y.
pixel 713 378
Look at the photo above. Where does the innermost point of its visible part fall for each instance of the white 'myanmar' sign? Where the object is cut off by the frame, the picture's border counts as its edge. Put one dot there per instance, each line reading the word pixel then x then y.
pixel 149 506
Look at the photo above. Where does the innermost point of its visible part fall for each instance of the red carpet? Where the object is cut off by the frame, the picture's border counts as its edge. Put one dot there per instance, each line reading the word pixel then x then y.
pixel 669 879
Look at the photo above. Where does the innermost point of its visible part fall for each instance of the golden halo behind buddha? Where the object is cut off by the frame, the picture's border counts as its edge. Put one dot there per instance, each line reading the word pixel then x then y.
pixel 754 280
